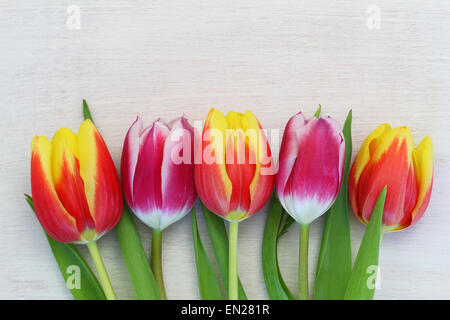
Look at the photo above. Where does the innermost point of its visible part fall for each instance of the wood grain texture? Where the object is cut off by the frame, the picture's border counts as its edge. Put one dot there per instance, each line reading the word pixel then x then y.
pixel 165 58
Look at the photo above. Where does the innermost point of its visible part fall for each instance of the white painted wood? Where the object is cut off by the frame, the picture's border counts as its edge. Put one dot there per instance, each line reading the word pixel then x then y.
pixel 165 58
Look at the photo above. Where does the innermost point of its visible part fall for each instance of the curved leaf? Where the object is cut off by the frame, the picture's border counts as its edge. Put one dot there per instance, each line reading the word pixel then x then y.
pixel 207 281
pixel 67 256
pixel 361 285
pixel 133 253
pixel 275 285
pixel 335 258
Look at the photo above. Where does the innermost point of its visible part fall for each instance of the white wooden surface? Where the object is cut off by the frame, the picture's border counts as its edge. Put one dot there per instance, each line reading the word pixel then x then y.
pixel 165 58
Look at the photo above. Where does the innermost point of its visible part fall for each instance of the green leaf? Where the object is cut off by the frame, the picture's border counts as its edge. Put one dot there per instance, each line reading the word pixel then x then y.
pixel 275 285
pixel 361 285
pixel 133 253
pixel 86 111
pixel 335 258
pixel 207 281
pixel 67 256
pixel 219 240
pixel 317 114
pixel 286 223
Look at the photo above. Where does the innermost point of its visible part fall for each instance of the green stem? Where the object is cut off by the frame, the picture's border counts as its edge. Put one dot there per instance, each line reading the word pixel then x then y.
pixel 101 271
pixel 232 261
pixel 156 261
pixel 303 262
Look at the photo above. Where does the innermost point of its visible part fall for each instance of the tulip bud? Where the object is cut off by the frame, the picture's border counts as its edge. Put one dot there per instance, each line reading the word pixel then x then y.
pixel 387 157
pixel 311 167
pixel 76 190
pixel 235 177
pixel 158 171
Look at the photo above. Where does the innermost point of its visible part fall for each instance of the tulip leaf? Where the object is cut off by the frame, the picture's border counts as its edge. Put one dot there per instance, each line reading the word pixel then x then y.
pixel 362 283
pixel 317 114
pixel 86 111
pixel 70 263
pixel 286 223
pixel 219 240
pixel 207 281
pixel 133 253
pixel 275 285
pixel 335 258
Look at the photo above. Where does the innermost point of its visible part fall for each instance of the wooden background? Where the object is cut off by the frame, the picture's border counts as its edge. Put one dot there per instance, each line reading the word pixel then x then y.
pixel 167 58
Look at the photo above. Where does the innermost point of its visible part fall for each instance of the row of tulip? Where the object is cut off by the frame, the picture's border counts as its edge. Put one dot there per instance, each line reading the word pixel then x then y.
pixel 77 194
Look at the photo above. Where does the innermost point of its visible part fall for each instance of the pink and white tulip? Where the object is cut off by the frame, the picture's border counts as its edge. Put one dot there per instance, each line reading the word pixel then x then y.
pixel 158 171
pixel 311 167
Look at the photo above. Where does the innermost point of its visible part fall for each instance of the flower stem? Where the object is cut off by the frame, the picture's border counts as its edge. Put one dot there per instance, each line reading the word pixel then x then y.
pixel 303 262
pixel 101 271
pixel 232 261
pixel 156 262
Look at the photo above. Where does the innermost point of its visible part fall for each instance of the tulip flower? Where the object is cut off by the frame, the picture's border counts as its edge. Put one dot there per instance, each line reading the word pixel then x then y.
pixel 310 173
pixel 158 178
pixel 388 157
pixel 76 190
pixel 235 176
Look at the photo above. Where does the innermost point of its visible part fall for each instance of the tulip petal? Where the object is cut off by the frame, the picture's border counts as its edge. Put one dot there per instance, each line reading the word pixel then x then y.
pixel 361 160
pixel 211 179
pixel 238 166
pixel 262 183
pixel 69 185
pixel 177 174
pixel 288 152
pixel 101 182
pixel 129 159
pixel 423 164
pixel 52 215
pixel 147 197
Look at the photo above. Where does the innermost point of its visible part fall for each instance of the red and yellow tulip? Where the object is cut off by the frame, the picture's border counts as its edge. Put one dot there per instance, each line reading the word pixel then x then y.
pixel 235 177
pixel 76 190
pixel 388 157
pixel 235 174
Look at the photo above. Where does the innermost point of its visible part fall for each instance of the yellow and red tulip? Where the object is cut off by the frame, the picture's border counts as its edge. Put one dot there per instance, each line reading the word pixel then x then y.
pixel 158 171
pixel 235 177
pixel 388 157
pixel 76 190
pixel 311 167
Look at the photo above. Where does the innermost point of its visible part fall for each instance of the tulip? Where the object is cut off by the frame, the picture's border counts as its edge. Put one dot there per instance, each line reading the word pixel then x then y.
pixel 235 176
pixel 76 190
pixel 388 158
pixel 311 166
pixel 158 178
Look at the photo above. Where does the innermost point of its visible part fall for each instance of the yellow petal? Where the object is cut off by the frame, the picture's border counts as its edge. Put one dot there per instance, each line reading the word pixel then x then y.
pixel 217 123
pixel 64 153
pixel 423 165
pixel 42 147
pixel 88 159
pixel 234 120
